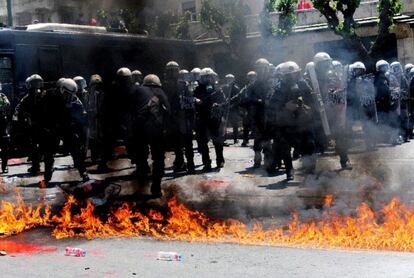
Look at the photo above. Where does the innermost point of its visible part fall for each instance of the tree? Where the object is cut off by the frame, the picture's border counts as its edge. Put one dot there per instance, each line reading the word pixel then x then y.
pixel 287 18
pixel 182 31
pixel 340 17
pixel 227 19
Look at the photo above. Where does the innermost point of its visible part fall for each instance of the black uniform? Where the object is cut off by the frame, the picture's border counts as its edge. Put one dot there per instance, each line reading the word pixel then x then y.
pixel 4 131
pixel 405 107
pixel 383 99
pixel 74 135
pixel 95 110
pixel 148 110
pixel 27 113
pixel 255 102
pixel 115 118
pixel 244 110
pixel 411 108
pixel 181 124
pixel 233 116
pixel 289 119
pixel 209 123
pixel 52 125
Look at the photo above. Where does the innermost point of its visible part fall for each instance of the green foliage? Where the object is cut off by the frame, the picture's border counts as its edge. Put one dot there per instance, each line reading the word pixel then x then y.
pixel 211 16
pixel 226 18
pixel 161 27
pixel 391 8
pixel 183 27
pixel 287 18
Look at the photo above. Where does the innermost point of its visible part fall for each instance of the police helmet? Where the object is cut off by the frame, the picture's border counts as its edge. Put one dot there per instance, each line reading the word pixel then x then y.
pixel 262 62
pixel 35 81
pixel 408 67
pixel 81 82
pixel 321 57
pixel 207 72
pixel 196 70
pixel 152 80
pixel 68 86
pixel 396 67
pixel 288 68
pixel 124 72
pixel 251 74
pixel 382 66
pixel 411 74
pixel 95 79
pixel 358 65
pixel 172 64
pixel 230 78
pixel 136 72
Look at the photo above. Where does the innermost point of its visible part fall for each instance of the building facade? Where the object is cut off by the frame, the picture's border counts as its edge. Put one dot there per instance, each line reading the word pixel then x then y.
pixel 73 11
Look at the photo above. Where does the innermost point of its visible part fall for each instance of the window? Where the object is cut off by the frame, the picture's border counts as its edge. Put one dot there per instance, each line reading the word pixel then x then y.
pixel 190 6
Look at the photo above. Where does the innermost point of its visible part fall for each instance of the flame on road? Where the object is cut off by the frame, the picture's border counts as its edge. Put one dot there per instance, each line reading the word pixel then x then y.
pixel 390 228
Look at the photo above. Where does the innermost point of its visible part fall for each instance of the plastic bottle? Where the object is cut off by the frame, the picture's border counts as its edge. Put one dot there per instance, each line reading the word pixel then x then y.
pixel 169 256
pixel 76 252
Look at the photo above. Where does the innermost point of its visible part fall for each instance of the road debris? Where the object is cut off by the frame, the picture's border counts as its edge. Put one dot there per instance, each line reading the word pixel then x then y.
pixel 75 252
pixel 169 256
pixel 3 253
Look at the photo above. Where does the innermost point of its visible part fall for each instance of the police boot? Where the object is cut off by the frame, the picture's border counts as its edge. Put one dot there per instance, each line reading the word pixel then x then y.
pixel 34 170
pixel 156 188
pixel 290 174
pixel 219 155
pixel 345 163
pixel 180 167
pixel 190 168
pixel 103 169
pixel 4 166
pixel 48 173
pixel 257 159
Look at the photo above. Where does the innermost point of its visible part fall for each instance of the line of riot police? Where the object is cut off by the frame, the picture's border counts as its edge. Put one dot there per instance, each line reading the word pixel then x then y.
pixel 282 108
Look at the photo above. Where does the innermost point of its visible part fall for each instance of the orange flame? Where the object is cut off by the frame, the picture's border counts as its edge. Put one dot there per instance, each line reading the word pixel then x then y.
pixel 391 228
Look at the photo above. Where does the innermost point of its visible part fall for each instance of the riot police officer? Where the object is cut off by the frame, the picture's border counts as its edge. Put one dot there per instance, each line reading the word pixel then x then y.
pixel 329 80
pixel 115 119
pixel 232 117
pixel 256 108
pixel 361 102
pixel 149 109
pixel 407 69
pixel 244 105
pixel 176 88
pixel 402 83
pixel 209 118
pixel 82 93
pixel 73 131
pixel 195 78
pixel 27 115
pixel 4 130
pixel 137 77
pixel 95 113
pixel 291 119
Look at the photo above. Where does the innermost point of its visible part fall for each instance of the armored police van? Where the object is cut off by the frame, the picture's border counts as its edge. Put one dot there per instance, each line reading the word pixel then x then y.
pixel 65 50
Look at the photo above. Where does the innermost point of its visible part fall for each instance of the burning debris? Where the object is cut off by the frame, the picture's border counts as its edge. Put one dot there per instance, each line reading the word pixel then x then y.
pixel 389 228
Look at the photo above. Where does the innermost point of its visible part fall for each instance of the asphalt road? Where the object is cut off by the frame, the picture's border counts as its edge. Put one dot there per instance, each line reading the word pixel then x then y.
pixel 138 258
pixel 237 191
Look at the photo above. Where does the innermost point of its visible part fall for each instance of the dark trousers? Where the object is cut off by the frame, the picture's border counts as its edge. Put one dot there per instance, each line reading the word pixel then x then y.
pixel 183 141
pixel 207 130
pixel 149 139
